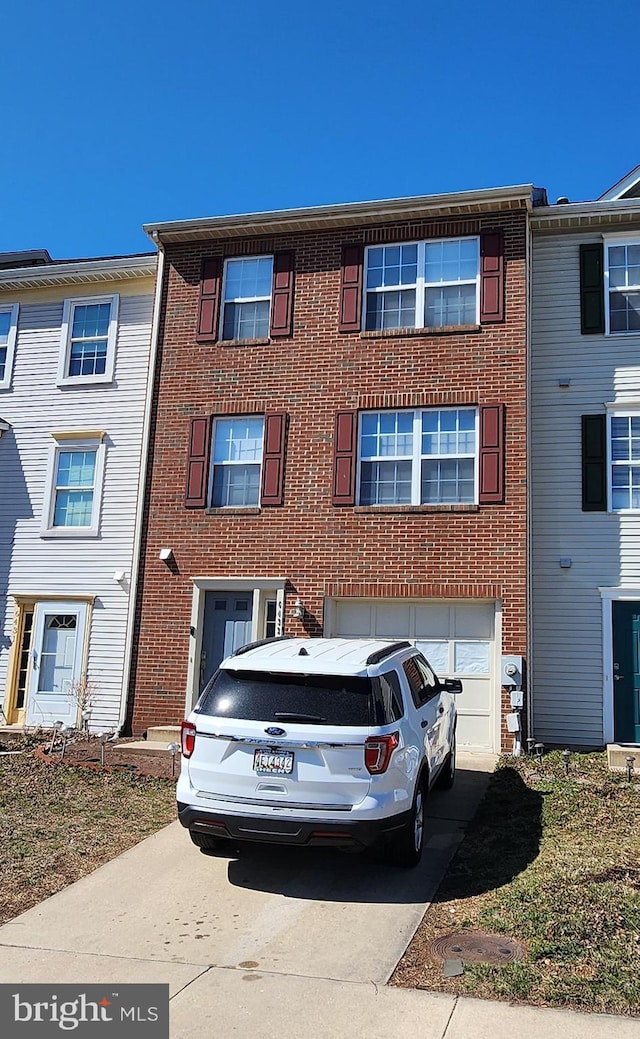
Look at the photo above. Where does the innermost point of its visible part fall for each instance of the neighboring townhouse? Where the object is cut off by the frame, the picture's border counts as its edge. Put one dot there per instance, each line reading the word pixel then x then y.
pixel 339 442
pixel 74 359
pixel 585 469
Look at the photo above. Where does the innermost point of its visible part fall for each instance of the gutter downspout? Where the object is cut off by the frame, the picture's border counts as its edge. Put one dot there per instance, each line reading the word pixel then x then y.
pixel 529 499
pixel 142 483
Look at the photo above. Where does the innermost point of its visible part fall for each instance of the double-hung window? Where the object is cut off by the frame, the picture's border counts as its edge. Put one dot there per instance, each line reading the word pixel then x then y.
pixel 8 330
pixel 74 485
pixel 423 457
pixel 429 284
pixel 624 439
pixel 246 297
pixel 622 281
pixel 237 461
pixel 89 330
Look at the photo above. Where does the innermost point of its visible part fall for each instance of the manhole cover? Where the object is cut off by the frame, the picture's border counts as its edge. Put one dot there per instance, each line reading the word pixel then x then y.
pixel 475 947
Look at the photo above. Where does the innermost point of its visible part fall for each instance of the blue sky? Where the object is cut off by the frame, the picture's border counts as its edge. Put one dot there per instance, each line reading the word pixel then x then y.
pixel 130 112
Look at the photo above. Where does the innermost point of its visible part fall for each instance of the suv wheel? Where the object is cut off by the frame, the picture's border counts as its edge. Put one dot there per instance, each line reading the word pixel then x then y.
pixel 406 849
pixel 448 771
pixel 207 843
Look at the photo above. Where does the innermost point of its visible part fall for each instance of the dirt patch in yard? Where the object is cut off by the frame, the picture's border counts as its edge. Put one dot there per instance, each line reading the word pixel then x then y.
pixel 116 757
pixel 60 822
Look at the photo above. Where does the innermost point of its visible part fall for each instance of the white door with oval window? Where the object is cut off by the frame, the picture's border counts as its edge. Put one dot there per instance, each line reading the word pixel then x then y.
pixel 56 663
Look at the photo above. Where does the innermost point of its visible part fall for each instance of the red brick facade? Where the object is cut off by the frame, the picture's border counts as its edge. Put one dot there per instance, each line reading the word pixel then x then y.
pixel 323 550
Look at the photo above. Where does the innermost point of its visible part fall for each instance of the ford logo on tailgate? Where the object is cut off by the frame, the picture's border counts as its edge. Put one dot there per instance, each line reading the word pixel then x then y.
pixel 273 730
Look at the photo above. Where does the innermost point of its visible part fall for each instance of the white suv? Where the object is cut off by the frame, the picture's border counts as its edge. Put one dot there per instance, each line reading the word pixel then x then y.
pixel 318 741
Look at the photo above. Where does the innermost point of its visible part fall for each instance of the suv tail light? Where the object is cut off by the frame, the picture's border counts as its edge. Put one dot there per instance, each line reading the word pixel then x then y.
pixel 378 751
pixel 187 738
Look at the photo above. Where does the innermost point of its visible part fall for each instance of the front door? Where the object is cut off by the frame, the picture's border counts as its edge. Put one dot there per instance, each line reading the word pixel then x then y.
pixel 626 672
pixel 57 651
pixel 227 626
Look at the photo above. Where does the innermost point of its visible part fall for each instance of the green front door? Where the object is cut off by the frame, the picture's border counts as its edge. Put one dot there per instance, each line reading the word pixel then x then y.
pixel 626 672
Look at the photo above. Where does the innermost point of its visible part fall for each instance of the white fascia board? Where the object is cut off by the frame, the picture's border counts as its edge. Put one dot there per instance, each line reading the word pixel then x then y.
pixel 74 272
pixel 460 204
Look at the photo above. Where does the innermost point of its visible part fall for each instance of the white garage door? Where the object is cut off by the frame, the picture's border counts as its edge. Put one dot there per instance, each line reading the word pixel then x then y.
pixel 458 639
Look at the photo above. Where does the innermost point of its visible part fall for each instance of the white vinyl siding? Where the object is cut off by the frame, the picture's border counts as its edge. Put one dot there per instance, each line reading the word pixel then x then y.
pixel 74 566
pixel 567 677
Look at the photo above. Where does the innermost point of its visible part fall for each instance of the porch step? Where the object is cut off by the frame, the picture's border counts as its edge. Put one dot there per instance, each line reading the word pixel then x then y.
pixel 617 754
pixel 146 747
pixel 163 734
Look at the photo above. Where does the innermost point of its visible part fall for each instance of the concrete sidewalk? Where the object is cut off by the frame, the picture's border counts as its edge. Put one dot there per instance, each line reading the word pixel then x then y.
pixel 277 942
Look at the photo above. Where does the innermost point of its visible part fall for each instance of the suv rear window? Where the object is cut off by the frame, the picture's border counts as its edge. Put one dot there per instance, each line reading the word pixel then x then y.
pixel 312 699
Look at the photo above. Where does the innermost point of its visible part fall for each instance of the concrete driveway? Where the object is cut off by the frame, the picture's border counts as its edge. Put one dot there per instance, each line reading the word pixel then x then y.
pixel 278 941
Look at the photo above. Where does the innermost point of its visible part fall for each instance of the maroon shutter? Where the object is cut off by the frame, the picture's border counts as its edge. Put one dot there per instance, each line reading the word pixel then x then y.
pixel 275 431
pixel 344 458
pixel 198 463
pixel 351 288
pixel 491 277
pixel 491 454
pixel 282 295
pixel 209 300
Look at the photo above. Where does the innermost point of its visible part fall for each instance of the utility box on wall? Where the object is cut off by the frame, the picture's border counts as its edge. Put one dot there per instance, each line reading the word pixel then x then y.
pixel 512 671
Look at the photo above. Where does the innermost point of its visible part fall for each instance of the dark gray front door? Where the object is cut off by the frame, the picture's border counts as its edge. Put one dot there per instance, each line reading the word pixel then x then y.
pixel 227 626
pixel 626 672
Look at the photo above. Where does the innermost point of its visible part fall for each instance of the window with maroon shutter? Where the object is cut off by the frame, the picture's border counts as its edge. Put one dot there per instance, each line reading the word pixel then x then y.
pixel 198 463
pixel 344 458
pixel 491 277
pixel 209 300
pixel 351 288
pixel 282 295
pixel 491 491
pixel 275 432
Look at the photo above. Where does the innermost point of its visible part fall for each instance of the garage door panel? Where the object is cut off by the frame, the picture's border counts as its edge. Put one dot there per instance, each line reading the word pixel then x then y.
pixel 473 622
pixel 392 621
pixel 456 638
pixel 433 620
pixel 474 732
pixel 473 696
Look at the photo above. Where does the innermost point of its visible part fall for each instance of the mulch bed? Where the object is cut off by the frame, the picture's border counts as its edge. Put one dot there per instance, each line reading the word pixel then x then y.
pixel 87 753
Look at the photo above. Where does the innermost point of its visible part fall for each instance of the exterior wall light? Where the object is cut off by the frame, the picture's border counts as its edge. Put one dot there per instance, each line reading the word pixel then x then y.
pixel 298 610
pixel 166 555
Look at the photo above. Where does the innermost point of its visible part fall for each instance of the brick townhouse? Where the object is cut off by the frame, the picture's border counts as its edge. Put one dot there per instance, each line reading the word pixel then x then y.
pixel 338 442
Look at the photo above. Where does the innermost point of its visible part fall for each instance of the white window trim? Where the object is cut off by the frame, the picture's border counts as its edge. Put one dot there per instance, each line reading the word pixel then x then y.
pixel 421 284
pixel 65 341
pixel 70 442
pixel 243 299
pixel 227 462
pixel 630 238
pixel 417 457
pixel 13 309
pixel 618 410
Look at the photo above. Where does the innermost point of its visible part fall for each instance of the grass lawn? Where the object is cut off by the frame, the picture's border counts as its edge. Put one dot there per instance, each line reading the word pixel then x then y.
pixel 58 823
pixel 554 862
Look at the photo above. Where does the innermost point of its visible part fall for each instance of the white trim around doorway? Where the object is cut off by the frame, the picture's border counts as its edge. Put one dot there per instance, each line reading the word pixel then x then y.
pixel 262 588
pixel 609 596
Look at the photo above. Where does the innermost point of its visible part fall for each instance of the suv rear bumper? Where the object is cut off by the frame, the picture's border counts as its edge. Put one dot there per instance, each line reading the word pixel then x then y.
pixel 350 833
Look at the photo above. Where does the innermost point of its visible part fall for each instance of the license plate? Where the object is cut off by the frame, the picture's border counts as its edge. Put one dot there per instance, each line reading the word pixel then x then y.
pixel 273 762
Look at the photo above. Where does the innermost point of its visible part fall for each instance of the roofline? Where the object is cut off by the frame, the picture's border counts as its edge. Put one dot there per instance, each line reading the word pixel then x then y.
pixel 463 203
pixel 620 186
pixel 575 215
pixel 79 272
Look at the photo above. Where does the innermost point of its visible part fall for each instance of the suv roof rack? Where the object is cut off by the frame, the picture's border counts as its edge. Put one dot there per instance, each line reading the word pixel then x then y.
pixel 386 651
pixel 260 642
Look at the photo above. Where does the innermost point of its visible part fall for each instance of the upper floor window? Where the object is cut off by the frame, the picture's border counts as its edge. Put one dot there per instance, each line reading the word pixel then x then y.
pixel 237 461
pixel 246 297
pixel 89 329
pixel 622 277
pixel 426 457
pixel 74 484
pixel 625 462
pixel 423 284
pixel 8 330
